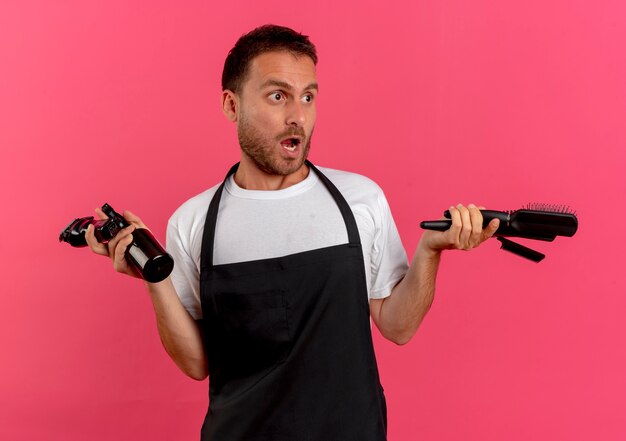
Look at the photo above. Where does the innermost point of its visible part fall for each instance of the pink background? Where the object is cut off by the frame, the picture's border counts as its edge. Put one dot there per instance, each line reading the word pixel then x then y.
pixel 441 102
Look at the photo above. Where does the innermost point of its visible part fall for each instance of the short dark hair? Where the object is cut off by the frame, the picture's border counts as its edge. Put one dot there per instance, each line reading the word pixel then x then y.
pixel 266 38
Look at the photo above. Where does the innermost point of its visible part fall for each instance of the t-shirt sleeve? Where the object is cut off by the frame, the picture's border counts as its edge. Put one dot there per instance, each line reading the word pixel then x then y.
pixel 185 275
pixel 389 261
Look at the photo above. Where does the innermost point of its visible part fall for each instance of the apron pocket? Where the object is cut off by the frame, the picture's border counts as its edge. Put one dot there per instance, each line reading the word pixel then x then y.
pixel 254 331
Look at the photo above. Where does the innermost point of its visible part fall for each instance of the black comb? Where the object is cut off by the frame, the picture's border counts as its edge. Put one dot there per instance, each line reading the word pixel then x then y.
pixel 534 221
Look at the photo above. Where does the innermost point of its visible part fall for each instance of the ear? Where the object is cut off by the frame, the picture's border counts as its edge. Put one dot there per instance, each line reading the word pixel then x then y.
pixel 230 105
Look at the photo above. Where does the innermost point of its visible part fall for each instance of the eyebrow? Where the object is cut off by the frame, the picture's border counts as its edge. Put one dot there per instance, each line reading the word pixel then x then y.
pixel 287 86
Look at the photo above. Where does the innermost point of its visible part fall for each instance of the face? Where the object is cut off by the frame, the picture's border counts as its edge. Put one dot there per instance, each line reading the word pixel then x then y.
pixel 276 112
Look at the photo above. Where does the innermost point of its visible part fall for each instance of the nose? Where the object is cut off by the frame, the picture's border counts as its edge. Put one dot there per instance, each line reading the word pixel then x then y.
pixel 296 114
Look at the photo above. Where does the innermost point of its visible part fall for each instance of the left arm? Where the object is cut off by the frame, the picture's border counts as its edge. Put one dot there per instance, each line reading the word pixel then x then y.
pixel 399 315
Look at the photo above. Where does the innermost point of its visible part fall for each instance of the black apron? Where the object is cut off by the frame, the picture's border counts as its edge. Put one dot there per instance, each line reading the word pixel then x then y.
pixel 289 343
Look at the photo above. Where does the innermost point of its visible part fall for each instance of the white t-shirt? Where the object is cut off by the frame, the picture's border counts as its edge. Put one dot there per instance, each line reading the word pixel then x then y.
pixel 253 225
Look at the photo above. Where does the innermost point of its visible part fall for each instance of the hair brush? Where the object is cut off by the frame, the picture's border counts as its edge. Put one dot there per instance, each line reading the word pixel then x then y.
pixel 534 221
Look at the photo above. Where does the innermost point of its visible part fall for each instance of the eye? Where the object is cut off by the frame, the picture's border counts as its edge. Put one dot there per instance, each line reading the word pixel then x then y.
pixel 307 98
pixel 276 96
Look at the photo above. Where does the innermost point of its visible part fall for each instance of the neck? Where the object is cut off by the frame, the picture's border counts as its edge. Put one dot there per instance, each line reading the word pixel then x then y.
pixel 250 177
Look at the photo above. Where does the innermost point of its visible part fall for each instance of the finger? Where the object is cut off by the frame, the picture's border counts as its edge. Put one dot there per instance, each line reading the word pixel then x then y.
pixel 101 214
pixel 466 228
pixel 92 242
pixel 476 219
pixel 119 261
pixel 455 228
pixel 491 229
pixel 134 219
pixel 118 237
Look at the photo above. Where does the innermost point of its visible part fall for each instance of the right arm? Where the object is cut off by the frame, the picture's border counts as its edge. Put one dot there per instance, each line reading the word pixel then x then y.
pixel 180 333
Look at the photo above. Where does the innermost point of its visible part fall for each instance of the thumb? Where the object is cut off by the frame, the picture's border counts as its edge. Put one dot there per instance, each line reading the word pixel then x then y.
pixel 491 228
pixel 134 219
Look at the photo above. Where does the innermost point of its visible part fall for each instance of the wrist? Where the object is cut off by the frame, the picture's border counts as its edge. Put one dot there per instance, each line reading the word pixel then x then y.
pixel 154 288
pixel 424 251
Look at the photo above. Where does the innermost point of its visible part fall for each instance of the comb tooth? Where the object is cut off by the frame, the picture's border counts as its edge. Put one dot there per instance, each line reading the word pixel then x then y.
pixel 554 208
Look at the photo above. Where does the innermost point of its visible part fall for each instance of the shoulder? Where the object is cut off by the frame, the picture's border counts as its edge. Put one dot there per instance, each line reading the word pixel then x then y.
pixel 352 183
pixel 364 196
pixel 359 191
pixel 192 210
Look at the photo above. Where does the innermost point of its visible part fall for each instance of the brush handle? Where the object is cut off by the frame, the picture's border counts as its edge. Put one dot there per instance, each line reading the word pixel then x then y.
pixel 443 225
pixel 439 225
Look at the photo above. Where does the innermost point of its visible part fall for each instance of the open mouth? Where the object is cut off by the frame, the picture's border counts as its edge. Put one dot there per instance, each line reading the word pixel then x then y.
pixel 290 144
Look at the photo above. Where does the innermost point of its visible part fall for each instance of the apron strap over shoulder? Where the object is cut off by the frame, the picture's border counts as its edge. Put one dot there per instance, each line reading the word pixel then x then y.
pixel 346 212
pixel 208 236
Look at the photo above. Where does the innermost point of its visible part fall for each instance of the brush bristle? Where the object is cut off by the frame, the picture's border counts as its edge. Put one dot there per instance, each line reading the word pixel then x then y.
pixel 552 208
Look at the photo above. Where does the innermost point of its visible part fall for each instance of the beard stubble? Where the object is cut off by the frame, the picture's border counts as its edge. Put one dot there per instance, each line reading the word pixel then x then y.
pixel 261 148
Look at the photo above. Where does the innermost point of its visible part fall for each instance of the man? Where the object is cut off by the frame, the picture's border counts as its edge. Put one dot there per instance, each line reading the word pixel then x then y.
pixel 279 268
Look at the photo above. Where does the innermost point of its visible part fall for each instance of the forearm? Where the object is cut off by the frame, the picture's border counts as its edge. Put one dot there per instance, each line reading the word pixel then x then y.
pixel 179 332
pixel 402 312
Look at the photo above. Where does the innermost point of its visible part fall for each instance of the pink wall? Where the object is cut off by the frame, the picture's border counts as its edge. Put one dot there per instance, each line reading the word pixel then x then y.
pixel 497 103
